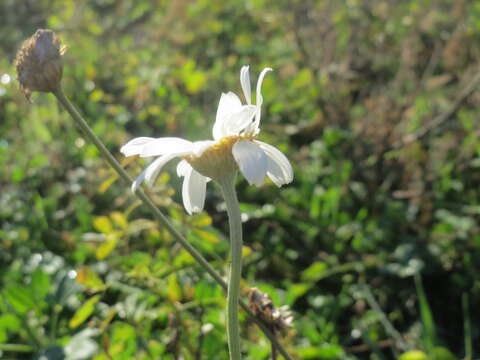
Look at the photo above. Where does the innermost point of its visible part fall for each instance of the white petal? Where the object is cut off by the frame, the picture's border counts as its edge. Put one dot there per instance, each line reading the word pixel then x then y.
pixel 253 128
pixel 200 146
pixel 275 173
pixel 152 171
pixel 183 167
pixel 245 81
pixel 167 145
pixel 251 160
pixel 277 157
pixel 135 146
pixel 229 104
pixel 259 101
pixel 259 83
pixel 193 189
pixel 197 188
pixel 238 121
pixel 138 181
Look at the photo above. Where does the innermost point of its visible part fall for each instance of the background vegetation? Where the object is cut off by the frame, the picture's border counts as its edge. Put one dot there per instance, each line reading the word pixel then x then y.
pixel 375 245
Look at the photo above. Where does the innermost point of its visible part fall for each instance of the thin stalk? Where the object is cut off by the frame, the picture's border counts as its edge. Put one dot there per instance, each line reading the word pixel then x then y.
pixel 274 353
pixel 429 333
pixel 233 294
pixel 16 348
pixel 35 337
pixel 467 327
pixel 87 131
pixel 372 302
pixel 85 128
pixel 57 309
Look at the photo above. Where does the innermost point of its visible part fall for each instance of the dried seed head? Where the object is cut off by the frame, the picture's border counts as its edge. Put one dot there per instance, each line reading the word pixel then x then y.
pixel 39 63
pixel 279 319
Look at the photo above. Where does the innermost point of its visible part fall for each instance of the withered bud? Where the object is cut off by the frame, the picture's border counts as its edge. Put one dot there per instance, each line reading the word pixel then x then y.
pixel 278 319
pixel 39 63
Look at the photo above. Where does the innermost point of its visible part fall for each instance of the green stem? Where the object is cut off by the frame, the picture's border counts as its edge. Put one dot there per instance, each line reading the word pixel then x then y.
pixel 467 327
pixel 389 328
pixel 235 222
pixel 87 131
pixel 34 335
pixel 16 348
pixel 82 124
pixel 57 309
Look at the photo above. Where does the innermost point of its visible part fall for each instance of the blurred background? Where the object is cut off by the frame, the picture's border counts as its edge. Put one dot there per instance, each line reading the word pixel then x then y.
pixel 374 246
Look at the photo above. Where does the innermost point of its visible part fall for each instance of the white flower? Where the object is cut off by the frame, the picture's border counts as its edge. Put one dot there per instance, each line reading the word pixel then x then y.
pixel 234 145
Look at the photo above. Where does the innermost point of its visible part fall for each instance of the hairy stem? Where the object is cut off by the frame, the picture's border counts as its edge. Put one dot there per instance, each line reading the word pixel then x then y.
pixel 87 131
pixel 235 223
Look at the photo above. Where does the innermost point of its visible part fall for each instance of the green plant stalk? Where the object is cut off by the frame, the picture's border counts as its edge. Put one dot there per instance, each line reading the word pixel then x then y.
pixel 389 328
pixel 82 124
pixel 57 309
pixel 467 328
pixel 87 131
pixel 16 348
pixel 429 332
pixel 35 336
pixel 227 185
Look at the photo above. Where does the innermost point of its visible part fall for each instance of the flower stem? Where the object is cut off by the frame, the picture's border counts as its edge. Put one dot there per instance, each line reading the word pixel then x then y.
pixel 235 222
pixel 87 131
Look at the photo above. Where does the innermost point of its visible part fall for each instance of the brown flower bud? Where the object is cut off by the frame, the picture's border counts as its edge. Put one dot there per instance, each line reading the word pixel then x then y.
pixel 278 319
pixel 39 63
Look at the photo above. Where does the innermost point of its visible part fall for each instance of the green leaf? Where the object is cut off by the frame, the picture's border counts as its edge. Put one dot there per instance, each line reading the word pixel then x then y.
pixel 90 279
pixel 20 298
pixel 83 312
pixel 195 82
pixel 246 251
pixel 41 130
pixel 413 355
pixel 40 284
pixel 103 224
pixel 119 219
pixel 327 351
pixel 206 236
pixel 295 291
pixel 106 247
pixel 429 332
pixel 204 290
pixel 201 220
pixel 314 272
pixel 105 185
pixel 17 174
pixel 123 341
pixel 174 292
pixel 8 322
pixel 441 353
pixel 303 78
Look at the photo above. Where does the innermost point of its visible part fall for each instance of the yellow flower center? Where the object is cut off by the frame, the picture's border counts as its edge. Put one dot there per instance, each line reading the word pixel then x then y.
pixel 217 160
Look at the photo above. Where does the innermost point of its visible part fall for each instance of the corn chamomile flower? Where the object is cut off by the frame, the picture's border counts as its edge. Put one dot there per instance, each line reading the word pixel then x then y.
pixel 234 147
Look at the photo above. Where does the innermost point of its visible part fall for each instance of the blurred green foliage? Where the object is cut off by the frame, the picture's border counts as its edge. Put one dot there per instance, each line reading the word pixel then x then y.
pixel 375 246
